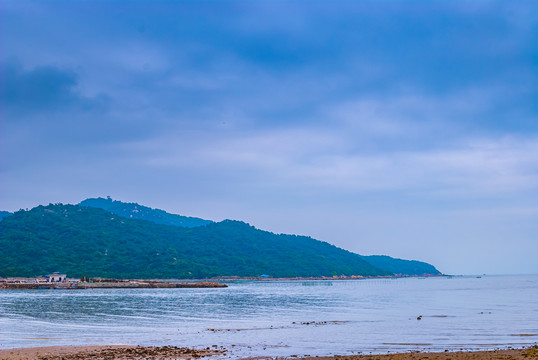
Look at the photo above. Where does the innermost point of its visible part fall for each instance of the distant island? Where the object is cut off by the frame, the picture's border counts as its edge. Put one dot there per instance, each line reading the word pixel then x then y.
pixel 112 239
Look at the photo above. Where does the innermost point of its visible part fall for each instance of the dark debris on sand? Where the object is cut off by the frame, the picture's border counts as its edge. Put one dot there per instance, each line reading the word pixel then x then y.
pixel 136 353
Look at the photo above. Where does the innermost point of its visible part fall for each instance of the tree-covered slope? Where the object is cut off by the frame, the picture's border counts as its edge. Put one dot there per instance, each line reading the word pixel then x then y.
pixel 3 214
pixel 90 241
pixel 136 211
pixel 401 266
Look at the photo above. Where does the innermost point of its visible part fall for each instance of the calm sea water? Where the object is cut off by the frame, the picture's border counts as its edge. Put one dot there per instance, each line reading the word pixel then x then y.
pixel 276 318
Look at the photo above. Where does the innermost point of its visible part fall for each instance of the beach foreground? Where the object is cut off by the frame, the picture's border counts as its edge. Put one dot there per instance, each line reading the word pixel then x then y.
pixel 108 352
pixel 111 352
pixel 510 354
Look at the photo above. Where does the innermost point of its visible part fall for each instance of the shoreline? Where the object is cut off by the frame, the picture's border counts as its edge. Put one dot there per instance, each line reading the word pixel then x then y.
pixel 525 353
pixel 31 283
pixel 111 352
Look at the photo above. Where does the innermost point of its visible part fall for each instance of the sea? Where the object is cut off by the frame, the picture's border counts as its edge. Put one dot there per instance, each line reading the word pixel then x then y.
pixel 285 318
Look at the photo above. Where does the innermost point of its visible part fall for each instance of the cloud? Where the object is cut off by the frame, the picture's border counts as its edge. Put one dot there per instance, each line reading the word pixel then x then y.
pixel 320 117
pixel 44 89
pixel 327 160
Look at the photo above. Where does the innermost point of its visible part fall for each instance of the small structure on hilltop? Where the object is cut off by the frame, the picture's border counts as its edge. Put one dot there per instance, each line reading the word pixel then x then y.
pixel 57 277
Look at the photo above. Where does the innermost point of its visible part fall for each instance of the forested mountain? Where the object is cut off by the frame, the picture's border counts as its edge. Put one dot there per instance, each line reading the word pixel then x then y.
pixel 401 266
pixel 90 241
pixel 136 211
pixel 3 214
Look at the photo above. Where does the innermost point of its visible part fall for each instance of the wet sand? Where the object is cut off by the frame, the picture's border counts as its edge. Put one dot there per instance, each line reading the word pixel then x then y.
pixel 511 354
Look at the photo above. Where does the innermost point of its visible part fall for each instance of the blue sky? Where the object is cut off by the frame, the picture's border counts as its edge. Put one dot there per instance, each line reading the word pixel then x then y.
pixel 406 128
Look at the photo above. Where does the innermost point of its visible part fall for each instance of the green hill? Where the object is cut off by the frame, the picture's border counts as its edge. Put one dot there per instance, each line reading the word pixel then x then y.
pixel 401 266
pixel 90 241
pixel 3 214
pixel 136 211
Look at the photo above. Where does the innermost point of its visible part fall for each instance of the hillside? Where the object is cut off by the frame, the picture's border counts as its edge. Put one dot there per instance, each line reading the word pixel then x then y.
pixel 3 214
pixel 136 211
pixel 90 241
pixel 401 266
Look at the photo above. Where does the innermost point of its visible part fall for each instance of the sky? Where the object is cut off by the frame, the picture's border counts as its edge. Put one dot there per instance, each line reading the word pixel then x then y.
pixel 406 128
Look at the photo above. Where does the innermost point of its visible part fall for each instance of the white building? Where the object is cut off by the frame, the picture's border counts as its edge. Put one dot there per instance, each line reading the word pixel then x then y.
pixel 57 277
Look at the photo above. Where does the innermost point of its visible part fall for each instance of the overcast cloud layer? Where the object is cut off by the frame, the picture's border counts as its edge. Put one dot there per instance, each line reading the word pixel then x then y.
pixel 383 127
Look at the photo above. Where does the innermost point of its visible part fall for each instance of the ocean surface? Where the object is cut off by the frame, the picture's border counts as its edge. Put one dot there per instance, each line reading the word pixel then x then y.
pixel 285 318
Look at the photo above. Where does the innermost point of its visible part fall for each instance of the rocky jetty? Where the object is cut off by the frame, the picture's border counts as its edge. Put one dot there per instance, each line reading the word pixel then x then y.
pixel 122 284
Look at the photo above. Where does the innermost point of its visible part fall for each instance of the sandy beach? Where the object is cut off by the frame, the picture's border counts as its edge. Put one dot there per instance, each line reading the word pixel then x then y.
pixel 108 352
pixel 111 352
pixel 510 354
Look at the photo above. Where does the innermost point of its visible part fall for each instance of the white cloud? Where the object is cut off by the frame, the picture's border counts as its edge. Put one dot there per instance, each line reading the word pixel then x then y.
pixel 318 158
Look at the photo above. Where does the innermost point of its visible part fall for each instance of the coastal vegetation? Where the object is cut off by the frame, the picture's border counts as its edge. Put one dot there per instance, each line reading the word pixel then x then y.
pixel 83 240
pixel 401 266
pixel 137 211
pixel 3 214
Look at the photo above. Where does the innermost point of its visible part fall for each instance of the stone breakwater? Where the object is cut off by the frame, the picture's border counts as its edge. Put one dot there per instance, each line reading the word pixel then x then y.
pixel 131 284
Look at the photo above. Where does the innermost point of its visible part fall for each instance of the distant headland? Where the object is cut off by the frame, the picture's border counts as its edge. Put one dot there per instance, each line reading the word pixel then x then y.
pixel 111 239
